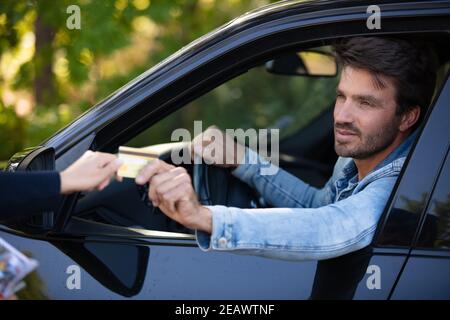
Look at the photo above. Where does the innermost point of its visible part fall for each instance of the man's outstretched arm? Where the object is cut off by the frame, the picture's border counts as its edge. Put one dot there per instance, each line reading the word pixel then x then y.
pixel 284 233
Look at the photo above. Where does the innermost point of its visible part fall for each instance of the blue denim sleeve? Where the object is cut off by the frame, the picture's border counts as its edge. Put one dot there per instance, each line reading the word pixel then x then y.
pixel 280 189
pixel 300 233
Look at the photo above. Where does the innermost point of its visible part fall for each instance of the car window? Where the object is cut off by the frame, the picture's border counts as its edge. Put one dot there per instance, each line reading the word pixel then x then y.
pixel 435 231
pixel 257 99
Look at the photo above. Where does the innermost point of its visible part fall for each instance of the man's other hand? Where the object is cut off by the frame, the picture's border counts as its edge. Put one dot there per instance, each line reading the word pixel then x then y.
pixel 218 148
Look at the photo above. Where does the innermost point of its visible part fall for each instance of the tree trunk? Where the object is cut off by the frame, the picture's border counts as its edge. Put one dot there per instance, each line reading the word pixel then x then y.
pixel 44 85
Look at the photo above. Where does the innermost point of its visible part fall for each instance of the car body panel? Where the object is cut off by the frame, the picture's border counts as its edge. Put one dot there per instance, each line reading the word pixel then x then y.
pixel 179 272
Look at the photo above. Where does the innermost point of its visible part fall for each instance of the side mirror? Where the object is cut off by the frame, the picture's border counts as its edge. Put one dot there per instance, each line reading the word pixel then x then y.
pixel 31 159
pixel 304 63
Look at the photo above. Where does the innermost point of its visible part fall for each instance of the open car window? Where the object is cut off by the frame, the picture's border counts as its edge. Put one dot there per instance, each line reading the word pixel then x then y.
pixel 259 99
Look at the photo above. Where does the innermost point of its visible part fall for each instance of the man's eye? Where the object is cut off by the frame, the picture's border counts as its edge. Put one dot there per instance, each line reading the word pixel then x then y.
pixel 365 103
pixel 339 96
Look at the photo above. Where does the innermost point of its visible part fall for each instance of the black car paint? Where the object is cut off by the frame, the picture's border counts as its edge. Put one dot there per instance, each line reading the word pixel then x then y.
pixel 175 268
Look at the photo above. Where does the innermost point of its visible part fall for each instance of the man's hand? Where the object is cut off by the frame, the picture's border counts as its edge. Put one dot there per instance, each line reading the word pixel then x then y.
pixel 92 171
pixel 171 190
pixel 218 148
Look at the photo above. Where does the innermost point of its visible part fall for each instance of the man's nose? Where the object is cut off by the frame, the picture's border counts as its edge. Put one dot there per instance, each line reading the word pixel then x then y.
pixel 343 112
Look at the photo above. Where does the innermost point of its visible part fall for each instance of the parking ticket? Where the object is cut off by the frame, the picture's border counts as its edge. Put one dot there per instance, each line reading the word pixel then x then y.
pixel 133 160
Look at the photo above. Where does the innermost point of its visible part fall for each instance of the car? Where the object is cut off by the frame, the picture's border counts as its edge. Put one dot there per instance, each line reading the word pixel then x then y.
pixel 111 244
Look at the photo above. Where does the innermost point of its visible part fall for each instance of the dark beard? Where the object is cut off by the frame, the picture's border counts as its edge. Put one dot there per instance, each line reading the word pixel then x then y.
pixel 371 145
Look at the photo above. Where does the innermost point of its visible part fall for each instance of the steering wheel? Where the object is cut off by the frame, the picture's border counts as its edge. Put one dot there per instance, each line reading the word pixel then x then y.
pixel 217 186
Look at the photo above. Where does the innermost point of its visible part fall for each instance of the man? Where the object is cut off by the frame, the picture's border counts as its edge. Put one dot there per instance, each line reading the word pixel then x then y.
pixel 385 87
pixel 27 193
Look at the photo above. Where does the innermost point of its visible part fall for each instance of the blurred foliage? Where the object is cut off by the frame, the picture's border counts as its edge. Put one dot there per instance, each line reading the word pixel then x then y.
pixel 49 74
pixel 12 132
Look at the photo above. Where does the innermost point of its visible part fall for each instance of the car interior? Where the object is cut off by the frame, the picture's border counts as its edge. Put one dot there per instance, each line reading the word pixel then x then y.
pixel 306 145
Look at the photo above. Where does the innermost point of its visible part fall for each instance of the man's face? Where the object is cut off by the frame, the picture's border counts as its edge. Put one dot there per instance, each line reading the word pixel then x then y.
pixel 365 120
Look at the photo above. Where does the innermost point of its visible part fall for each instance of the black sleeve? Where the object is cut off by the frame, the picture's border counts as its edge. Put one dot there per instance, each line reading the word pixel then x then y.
pixel 27 193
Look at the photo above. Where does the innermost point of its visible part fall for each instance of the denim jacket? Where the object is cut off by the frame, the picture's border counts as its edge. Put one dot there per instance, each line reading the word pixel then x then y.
pixel 305 223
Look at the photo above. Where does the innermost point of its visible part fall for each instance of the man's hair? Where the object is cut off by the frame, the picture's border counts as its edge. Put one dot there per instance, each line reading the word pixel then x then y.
pixel 409 64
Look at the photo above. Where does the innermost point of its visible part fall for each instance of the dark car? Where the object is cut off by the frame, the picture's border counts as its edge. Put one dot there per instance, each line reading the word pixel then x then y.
pixel 112 244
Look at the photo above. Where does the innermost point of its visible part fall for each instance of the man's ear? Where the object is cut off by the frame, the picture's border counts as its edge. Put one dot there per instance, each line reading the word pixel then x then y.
pixel 409 118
